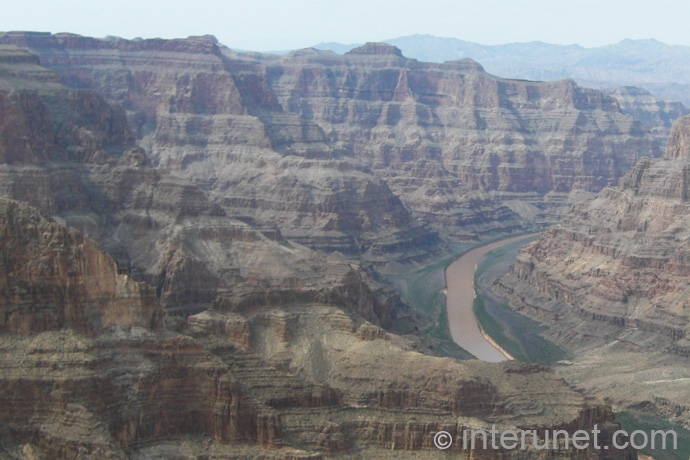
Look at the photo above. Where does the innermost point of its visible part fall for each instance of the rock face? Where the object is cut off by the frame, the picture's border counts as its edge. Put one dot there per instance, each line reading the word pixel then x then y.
pixel 660 68
pixel 448 142
pixel 611 278
pixel 36 128
pixel 294 381
pixel 655 114
pixel 621 258
pixel 267 349
pixel 52 277
pixel 159 228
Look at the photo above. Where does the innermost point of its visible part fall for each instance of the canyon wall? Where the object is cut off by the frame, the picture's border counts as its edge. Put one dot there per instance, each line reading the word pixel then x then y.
pixel 654 113
pixel 353 141
pixel 622 257
pixel 160 229
pixel 611 281
pixel 91 372
pixel 144 314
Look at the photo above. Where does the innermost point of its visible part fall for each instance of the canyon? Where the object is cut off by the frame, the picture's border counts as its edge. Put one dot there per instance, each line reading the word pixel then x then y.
pixel 462 151
pixel 195 243
pixel 269 380
pixel 610 280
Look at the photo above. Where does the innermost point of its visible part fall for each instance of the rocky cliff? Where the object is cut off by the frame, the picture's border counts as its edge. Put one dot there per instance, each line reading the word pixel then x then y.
pixel 90 372
pixel 140 320
pixel 159 228
pixel 611 279
pixel 654 113
pixel 457 147
pixel 41 120
pixel 52 278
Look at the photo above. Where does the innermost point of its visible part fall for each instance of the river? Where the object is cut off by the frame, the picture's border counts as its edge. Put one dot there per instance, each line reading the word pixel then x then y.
pixel 460 294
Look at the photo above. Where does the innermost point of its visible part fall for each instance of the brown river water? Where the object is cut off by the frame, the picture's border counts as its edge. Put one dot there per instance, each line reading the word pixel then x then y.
pixel 460 294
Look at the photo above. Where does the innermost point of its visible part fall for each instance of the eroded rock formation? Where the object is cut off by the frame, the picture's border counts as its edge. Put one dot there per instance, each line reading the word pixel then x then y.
pixel 268 349
pixel 301 380
pixel 654 113
pixel 159 228
pixel 52 278
pixel 611 280
pixel 461 149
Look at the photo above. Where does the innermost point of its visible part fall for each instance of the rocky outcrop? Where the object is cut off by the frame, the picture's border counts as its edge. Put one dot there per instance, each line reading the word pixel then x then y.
pixel 41 120
pixel 449 142
pixel 621 258
pixel 679 141
pixel 611 281
pixel 52 277
pixel 165 231
pixel 654 113
pixel 374 48
pixel 299 380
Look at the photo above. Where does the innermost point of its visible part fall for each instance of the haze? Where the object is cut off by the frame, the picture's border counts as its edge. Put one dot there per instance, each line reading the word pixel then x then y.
pixel 263 25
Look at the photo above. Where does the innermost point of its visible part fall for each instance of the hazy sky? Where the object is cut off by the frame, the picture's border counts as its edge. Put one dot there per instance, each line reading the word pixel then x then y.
pixel 288 24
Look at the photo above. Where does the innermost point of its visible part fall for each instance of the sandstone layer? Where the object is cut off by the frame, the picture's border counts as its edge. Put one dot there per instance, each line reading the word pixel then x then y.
pixel 611 280
pixel 159 228
pixel 355 140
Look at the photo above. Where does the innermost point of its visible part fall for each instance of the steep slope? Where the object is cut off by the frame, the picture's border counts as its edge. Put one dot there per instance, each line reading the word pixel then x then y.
pixel 81 121
pixel 88 371
pixel 191 119
pixel 655 114
pixel 161 229
pixel 611 280
pixel 448 141
pixel 54 278
pixel 442 135
pixel 268 348
pixel 650 64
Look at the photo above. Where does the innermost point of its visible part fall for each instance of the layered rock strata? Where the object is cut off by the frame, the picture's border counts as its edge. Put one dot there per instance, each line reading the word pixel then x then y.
pixel 163 229
pixel 52 277
pixel 611 280
pixel 269 349
pixel 303 380
pixel 463 150
pixel 654 113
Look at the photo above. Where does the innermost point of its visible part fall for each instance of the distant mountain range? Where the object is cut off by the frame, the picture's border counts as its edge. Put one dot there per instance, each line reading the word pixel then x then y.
pixel 662 69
